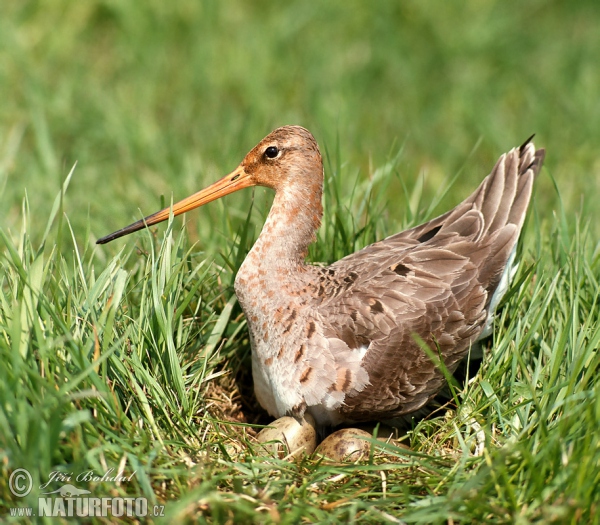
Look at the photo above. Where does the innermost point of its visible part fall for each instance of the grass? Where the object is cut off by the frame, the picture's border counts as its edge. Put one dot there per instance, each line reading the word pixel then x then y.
pixel 135 356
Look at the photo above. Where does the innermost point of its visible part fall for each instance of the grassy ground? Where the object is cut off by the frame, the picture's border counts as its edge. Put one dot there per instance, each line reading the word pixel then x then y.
pixel 134 356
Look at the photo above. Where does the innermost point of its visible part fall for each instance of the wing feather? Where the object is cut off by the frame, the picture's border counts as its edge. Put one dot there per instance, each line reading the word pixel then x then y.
pixel 434 281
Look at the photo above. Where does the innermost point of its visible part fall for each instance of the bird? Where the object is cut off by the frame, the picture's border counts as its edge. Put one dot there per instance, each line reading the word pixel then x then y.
pixel 344 343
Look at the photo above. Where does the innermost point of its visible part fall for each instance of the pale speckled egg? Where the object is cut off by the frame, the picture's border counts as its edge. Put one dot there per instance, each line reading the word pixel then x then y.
pixel 346 445
pixel 288 435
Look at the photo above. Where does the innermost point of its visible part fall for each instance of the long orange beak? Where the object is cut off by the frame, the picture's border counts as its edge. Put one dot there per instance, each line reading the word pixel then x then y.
pixel 236 180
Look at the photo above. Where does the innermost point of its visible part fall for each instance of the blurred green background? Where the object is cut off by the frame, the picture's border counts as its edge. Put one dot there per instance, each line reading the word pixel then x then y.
pixel 160 98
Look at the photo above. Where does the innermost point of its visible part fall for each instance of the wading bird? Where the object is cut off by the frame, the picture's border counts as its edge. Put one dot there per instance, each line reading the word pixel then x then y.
pixel 344 342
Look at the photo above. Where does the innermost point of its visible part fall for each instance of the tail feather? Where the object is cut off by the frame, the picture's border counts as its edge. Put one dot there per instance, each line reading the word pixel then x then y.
pixel 505 194
pixel 501 200
pixel 516 172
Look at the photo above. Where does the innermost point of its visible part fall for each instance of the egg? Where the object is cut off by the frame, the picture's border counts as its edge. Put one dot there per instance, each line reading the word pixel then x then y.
pixel 288 436
pixel 346 445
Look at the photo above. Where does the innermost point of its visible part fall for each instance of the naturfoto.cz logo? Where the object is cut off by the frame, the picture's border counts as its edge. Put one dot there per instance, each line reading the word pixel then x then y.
pixel 70 501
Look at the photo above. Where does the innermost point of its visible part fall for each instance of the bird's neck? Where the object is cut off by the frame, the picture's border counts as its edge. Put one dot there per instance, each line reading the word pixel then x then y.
pixel 290 228
pixel 274 272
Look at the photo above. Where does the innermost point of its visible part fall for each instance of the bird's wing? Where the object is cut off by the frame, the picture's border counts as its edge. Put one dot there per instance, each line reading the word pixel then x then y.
pixel 433 283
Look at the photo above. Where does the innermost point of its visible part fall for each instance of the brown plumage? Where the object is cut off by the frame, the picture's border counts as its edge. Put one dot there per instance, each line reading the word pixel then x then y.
pixel 343 342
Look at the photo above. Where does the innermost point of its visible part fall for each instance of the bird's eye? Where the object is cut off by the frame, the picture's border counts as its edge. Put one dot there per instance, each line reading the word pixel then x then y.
pixel 271 152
